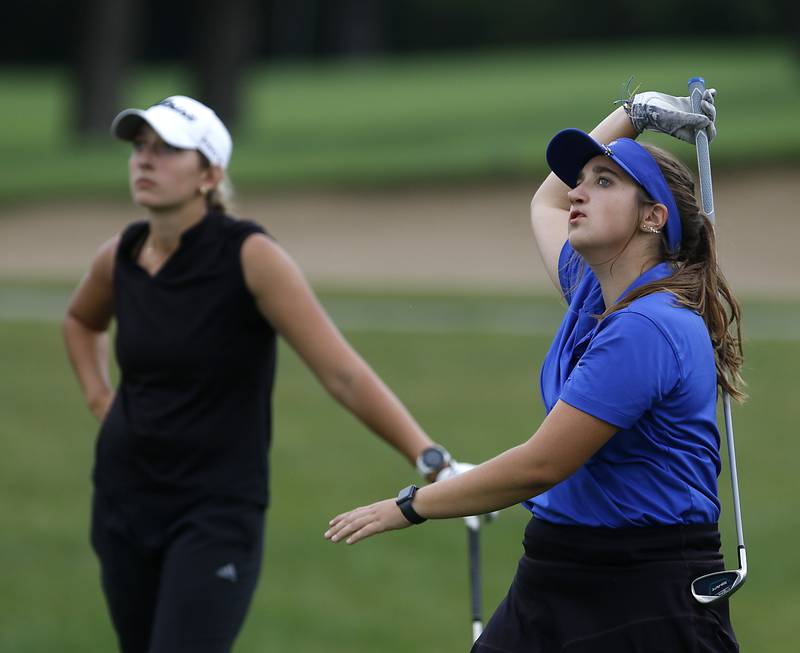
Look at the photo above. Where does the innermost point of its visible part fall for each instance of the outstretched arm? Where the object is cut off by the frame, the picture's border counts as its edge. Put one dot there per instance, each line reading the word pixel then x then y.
pixel 564 441
pixel 85 330
pixel 285 298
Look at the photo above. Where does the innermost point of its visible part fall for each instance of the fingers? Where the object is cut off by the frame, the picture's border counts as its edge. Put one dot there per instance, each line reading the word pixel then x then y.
pixel 696 120
pixel 369 528
pixel 348 523
pixel 708 110
pixel 350 531
pixel 366 521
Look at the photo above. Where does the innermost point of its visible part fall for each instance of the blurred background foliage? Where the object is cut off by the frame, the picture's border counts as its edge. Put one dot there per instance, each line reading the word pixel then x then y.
pixel 379 91
pixel 322 29
pixel 415 119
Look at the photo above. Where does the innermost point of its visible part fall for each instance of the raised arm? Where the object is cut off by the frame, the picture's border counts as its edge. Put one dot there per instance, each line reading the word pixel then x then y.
pixel 285 298
pixel 85 330
pixel 550 206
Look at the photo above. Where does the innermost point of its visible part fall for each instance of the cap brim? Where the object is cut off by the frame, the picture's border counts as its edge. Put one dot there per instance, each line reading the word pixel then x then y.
pixel 568 151
pixel 127 124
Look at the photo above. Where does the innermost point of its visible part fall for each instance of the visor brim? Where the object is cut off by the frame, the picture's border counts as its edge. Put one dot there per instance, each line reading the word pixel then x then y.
pixel 567 153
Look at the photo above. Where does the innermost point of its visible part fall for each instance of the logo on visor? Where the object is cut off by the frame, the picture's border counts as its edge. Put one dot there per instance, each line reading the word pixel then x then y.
pixel 171 105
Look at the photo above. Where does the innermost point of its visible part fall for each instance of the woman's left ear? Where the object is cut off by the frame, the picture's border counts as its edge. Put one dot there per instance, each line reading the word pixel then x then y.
pixel 213 175
pixel 654 220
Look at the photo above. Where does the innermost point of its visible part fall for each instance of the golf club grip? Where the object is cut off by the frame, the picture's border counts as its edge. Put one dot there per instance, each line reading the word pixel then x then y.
pixel 474 544
pixel 696 87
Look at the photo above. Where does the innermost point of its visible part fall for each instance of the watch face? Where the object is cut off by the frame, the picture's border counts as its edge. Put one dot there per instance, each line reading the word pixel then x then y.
pixel 406 494
pixel 433 458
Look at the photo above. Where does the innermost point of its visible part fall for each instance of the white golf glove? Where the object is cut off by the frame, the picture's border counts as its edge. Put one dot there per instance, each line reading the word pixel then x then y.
pixel 455 469
pixel 673 115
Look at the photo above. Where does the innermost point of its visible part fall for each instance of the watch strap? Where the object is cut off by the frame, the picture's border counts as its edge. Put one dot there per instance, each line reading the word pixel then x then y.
pixel 403 501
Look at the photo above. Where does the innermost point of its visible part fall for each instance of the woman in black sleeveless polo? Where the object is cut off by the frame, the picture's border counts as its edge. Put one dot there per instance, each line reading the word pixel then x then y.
pixel 181 470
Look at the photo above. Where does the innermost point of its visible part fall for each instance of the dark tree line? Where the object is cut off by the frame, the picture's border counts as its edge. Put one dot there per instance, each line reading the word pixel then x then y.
pixel 219 40
pixel 108 32
pixel 100 39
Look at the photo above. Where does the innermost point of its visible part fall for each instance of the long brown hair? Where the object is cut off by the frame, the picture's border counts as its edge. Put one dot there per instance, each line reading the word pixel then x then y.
pixel 697 281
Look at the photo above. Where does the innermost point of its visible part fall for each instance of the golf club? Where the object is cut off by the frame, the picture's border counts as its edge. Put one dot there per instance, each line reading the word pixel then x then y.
pixel 474 547
pixel 473 523
pixel 720 584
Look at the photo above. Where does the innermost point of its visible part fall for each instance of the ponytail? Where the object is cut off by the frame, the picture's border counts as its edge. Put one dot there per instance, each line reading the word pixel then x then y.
pixel 697 282
pixel 220 198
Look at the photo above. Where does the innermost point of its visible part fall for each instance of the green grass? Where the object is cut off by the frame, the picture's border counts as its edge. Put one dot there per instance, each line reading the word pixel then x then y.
pixel 421 120
pixel 471 381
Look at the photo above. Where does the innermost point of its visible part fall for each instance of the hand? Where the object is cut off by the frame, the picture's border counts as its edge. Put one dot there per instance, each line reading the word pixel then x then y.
pixel 431 461
pixel 453 469
pixel 100 405
pixel 673 115
pixel 366 521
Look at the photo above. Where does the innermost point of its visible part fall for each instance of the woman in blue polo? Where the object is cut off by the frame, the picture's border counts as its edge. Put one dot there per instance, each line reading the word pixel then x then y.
pixel 621 476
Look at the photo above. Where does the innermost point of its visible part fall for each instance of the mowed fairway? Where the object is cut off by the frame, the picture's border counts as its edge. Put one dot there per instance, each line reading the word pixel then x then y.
pixel 467 367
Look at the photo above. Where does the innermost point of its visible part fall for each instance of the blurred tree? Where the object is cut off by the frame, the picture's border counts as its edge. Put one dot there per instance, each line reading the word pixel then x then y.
pixel 106 30
pixel 292 28
pixel 314 27
pixel 358 27
pixel 790 16
pixel 224 40
pixel 220 40
pixel 304 28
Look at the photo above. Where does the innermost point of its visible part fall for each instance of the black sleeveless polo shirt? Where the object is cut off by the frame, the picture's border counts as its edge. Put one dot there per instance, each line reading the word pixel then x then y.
pixel 191 418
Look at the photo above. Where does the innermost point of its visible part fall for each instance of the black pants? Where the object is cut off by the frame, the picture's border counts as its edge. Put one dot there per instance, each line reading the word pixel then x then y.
pixel 582 590
pixel 188 589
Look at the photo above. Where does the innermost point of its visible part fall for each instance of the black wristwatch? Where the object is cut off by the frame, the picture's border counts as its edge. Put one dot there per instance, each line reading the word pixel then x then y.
pixel 432 461
pixel 403 502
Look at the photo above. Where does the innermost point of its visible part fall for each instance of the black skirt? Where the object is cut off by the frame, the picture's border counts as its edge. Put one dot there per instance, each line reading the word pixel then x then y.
pixel 582 589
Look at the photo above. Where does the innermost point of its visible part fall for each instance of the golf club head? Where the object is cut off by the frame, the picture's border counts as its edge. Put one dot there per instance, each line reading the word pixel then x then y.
pixel 720 584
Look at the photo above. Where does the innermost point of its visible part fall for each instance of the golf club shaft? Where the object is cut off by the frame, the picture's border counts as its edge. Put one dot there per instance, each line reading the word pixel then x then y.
pixel 726 405
pixel 473 542
pixel 696 87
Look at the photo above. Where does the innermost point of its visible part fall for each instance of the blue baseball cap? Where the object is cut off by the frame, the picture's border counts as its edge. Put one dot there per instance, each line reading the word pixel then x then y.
pixel 570 149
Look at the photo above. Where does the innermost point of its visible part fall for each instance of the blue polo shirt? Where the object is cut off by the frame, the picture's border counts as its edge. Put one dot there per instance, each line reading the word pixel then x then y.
pixel 649 370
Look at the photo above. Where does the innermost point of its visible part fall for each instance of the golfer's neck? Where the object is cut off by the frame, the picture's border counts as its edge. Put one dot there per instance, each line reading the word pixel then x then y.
pixel 166 226
pixel 615 277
